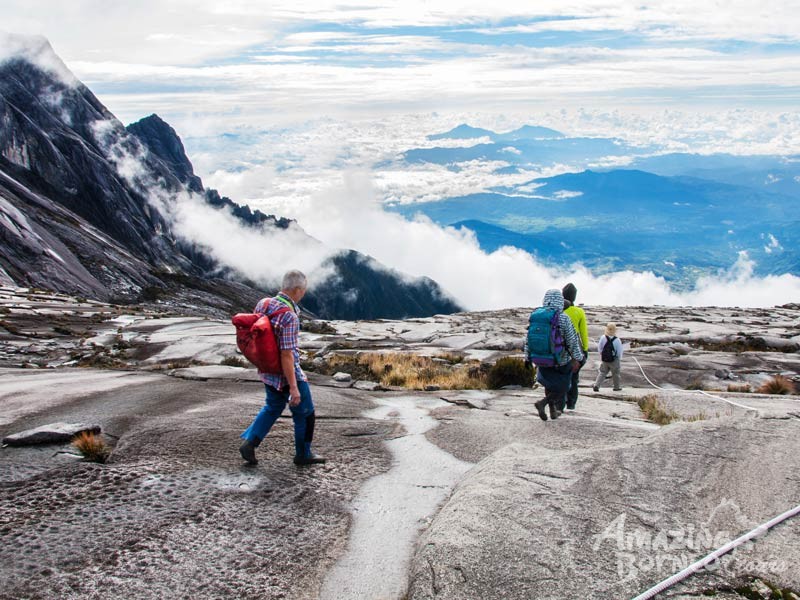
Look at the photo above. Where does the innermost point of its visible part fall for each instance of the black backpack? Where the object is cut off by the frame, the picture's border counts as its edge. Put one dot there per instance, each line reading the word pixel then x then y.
pixel 609 353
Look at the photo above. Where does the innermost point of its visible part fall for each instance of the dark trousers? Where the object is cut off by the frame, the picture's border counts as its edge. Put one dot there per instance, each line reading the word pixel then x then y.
pixel 556 382
pixel 302 415
pixel 570 399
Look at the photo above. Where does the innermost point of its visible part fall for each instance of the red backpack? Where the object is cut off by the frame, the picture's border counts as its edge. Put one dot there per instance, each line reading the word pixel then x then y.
pixel 255 338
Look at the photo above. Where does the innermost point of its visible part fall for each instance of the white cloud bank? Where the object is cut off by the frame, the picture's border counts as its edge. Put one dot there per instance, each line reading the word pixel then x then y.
pixel 261 254
pixel 350 216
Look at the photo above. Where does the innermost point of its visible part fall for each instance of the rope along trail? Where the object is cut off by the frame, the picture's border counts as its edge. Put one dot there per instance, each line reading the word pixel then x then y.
pixel 710 558
pixel 704 393
pixel 704 562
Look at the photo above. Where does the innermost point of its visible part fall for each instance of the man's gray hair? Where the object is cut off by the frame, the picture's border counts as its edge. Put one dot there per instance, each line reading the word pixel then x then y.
pixel 294 279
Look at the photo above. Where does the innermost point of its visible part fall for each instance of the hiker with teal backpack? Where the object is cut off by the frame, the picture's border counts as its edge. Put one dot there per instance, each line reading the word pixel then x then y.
pixel 610 348
pixel 554 347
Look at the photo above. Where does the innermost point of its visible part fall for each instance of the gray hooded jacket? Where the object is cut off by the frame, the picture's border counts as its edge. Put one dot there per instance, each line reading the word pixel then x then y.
pixel 553 299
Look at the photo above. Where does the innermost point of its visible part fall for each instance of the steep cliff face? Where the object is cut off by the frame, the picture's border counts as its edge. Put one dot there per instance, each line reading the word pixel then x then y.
pixel 85 208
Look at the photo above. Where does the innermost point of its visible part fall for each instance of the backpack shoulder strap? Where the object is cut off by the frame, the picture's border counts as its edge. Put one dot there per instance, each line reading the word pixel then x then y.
pixel 285 302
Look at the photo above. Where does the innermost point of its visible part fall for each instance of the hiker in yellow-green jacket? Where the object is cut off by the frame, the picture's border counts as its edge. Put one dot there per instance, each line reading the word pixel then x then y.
pixel 578 318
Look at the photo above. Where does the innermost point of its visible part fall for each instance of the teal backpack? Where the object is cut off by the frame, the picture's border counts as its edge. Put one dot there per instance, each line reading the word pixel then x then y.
pixel 545 341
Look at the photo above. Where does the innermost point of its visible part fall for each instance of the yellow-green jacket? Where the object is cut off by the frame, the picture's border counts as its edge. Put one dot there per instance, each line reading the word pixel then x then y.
pixel 578 318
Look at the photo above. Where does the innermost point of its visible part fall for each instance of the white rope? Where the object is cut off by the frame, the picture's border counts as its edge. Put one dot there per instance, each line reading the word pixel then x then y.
pixel 704 562
pixel 689 391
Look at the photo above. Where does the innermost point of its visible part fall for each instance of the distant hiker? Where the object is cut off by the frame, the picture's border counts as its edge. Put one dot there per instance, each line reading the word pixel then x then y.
pixel 554 347
pixel 610 348
pixel 290 387
pixel 578 318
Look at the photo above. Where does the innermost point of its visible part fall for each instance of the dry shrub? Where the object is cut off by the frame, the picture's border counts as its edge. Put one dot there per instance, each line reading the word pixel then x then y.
pixel 697 383
pixel 656 412
pixel 409 370
pixel 701 416
pixel 739 388
pixel 233 361
pixel 450 357
pixel 509 371
pixel 778 385
pixel 91 446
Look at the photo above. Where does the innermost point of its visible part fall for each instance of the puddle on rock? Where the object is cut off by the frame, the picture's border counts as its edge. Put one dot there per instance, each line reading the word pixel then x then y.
pixel 392 508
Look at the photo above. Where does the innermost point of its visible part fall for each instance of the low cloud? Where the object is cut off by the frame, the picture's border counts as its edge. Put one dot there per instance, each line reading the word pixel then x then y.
pixel 351 216
pixel 262 254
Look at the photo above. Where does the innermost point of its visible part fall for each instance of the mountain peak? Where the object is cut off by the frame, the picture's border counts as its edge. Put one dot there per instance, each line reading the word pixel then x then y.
pixel 463 131
pixel 533 132
pixel 161 139
pixel 36 50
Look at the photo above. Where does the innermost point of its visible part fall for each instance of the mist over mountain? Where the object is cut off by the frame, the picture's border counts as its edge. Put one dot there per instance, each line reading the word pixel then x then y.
pixel 93 208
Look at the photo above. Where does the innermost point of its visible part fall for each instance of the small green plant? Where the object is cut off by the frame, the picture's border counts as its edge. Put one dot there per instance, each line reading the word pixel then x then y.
pixel 654 411
pixel 233 361
pixel 779 385
pixel 509 371
pixel 92 447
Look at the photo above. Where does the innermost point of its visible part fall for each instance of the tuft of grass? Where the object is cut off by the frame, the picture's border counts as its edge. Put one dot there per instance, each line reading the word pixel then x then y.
pixel 701 416
pixel 408 370
pixel 779 385
pixel 233 361
pixel 696 384
pixel 92 447
pixel 654 411
pixel 451 357
pixel 509 371
pixel 739 388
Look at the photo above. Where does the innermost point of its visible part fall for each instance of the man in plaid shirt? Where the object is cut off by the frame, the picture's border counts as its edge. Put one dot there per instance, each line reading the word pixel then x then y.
pixel 291 387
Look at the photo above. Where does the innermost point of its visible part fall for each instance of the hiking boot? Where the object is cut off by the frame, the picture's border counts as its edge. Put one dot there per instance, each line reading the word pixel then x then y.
pixel 595 388
pixel 540 409
pixel 554 413
pixel 617 389
pixel 311 459
pixel 248 452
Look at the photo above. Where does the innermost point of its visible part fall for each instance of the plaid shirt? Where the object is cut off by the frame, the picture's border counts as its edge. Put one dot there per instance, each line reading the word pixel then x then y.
pixel 287 330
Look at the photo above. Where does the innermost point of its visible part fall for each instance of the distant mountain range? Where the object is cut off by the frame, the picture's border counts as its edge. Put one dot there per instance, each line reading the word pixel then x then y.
pixel 72 223
pixel 679 215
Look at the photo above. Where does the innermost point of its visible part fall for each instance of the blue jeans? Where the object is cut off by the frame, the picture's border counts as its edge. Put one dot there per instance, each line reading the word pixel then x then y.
pixel 302 415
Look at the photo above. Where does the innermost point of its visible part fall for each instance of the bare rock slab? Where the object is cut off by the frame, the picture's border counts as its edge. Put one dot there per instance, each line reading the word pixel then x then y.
pixel 368 386
pixel 588 522
pixel 54 433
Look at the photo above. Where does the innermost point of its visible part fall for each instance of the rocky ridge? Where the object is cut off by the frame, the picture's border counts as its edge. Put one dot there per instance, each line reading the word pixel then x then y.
pixel 601 503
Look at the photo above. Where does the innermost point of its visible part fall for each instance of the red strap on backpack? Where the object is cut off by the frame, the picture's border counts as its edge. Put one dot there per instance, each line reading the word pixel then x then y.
pixel 255 338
